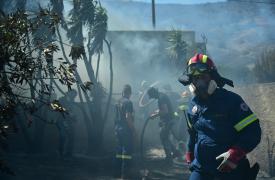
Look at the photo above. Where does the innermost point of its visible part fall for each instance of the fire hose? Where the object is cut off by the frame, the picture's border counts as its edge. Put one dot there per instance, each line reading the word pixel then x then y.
pixel 145 126
pixel 142 136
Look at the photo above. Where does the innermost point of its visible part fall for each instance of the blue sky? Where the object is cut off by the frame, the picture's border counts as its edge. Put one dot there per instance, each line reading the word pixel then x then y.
pixel 182 1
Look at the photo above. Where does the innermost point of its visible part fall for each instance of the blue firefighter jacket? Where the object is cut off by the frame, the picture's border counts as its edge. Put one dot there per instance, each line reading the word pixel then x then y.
pixel 218 123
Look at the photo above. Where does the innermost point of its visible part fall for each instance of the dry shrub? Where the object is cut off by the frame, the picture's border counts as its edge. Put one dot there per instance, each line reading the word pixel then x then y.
pixel 265 66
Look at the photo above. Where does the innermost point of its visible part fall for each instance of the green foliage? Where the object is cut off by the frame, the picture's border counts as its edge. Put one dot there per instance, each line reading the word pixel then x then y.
pixel 57 7
pixel 86 86
pixel 178 47
pixel 77 52
pixel 264 69
pixel 98 30
pixel 43 27
pixel 97 90
pixel 27 64
pixel 87 9
pixel 56 106
pixel 26 56
pixel 74 32
pixel 94 16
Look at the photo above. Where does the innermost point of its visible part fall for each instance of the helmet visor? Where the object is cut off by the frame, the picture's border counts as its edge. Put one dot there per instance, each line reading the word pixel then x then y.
pixel 197 69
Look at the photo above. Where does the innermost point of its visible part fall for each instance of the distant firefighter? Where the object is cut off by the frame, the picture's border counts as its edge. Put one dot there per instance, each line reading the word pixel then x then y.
pixel 173 96
pixel 166 115
pixel 145 104
pixel 125 133
pixel 223 129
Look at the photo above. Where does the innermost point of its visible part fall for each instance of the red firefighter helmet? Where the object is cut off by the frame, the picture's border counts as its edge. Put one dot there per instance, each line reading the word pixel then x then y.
pixel 200 63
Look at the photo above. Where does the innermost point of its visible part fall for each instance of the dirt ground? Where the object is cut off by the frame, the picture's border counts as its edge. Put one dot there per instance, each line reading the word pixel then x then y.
pixel 79 167
pixel 48 167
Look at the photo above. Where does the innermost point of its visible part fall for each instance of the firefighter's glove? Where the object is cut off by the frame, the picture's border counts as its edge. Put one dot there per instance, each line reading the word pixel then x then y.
pixel 154 115
pixel 189 157
pixel 230 159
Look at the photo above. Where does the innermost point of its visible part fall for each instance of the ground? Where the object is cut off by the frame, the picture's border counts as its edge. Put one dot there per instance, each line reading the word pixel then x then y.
pixel 52 167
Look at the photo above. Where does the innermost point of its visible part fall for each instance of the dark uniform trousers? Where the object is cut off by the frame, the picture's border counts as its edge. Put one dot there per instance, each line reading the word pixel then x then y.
pixel 165 132
pixel 123 158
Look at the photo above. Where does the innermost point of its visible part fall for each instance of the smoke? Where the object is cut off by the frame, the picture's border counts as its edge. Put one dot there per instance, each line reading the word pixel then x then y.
pixel 235 30
pixel 30 5
pixel 235 33
pixel 139 56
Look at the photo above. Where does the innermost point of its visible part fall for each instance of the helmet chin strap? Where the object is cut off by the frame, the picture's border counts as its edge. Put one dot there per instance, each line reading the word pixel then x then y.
pixel 192 88
pixel 212 86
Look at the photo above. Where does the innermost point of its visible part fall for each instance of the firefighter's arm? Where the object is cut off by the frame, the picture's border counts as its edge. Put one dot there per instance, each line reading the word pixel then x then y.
pixel 249 138
pixel 189 156
pixel 191 140
pixel 247 127
pixel 249 133
pixel 129 115
pixel 130 120
pixel 154 114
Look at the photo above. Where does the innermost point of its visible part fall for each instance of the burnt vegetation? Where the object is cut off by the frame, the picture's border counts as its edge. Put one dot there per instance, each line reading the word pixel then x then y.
pixel 265 66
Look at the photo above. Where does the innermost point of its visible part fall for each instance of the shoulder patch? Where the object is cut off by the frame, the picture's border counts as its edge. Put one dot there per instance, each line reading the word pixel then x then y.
pixel 244 107
pixel 194 109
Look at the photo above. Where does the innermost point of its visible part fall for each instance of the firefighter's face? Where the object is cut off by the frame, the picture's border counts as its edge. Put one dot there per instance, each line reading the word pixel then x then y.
pixel 201 83
pixel 127 95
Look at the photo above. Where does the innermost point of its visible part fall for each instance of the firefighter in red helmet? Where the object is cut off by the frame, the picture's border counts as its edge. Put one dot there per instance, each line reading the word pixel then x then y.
pixel 223 129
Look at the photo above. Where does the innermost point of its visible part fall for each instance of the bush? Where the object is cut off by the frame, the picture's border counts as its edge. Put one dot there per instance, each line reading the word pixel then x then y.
pixel 264 69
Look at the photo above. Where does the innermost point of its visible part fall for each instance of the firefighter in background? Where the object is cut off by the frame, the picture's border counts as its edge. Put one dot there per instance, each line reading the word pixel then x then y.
pixel 182 109
pixel 145 104
pixel 144 108
pixel 125 133
pixel 174 97
pixel 223 128
pixel 179 104
pixel 166 115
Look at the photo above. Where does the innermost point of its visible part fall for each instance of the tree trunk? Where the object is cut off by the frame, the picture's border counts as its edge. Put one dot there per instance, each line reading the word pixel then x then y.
pixel 94 130
pixel 39 131
pixel 86 117
pixel 97 66
pixel 96 138
pixel 111 85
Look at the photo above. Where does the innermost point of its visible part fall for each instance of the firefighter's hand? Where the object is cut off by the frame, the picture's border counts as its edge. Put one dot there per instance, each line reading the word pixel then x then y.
pixel 189 157
pixel 226 165
pixel 153 115
pixel 230 159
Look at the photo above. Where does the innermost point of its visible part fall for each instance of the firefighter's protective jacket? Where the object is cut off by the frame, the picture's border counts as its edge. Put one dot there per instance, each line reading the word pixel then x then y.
pixel 218 123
